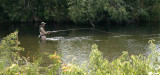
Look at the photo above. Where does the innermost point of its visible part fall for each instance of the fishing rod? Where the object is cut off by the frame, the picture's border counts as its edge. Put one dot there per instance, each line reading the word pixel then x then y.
pixel 68 30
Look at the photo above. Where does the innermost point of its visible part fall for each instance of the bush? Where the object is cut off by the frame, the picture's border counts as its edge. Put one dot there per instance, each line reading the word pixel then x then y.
pixel 9 51
pixel 124 65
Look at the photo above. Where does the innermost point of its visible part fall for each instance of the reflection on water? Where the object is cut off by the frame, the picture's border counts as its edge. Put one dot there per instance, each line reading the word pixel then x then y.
pixel 75 46
pixel 55 38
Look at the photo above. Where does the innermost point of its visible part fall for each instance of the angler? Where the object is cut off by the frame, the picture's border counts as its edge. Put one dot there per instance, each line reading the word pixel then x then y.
pixel 42 31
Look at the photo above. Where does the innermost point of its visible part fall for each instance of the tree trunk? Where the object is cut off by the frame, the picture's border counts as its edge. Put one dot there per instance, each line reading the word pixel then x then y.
pixel 91 22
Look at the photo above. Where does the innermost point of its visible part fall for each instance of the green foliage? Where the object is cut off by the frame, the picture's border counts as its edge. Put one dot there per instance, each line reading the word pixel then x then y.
pixel 55 66
pixel 96 61
pixel 9 47
pixel 124 65
pixel 84 10
pixel 10 61
pixel 72 69
pixel 143 10
pixel 80 10
pixel 9 50
pixel 116 9
pixel 33 10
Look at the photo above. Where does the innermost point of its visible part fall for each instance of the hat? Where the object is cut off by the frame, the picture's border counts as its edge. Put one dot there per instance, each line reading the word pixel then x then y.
pixel 43 23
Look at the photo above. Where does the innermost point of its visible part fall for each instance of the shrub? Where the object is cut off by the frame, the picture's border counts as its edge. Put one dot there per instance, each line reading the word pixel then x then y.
pixel 9 51
pixel 124 65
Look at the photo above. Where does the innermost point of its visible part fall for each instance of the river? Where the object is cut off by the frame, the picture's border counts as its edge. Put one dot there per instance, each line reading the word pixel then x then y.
pixel 74 46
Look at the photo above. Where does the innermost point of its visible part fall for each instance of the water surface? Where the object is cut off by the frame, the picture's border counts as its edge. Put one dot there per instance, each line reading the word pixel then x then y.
pixel 75 45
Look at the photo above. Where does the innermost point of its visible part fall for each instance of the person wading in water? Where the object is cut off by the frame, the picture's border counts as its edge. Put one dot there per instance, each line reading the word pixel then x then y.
pixel 42 43
pixel 42 31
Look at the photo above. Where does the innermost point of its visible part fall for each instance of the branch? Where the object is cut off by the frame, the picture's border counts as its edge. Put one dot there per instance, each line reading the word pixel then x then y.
pixel 91 22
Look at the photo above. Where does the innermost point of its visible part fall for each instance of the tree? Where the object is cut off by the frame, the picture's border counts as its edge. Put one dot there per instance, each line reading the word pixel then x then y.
pixel 86 10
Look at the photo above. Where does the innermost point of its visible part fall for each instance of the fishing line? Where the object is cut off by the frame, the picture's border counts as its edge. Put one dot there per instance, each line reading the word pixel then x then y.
pixel 125 34
pixel 68 30
pixel 106 31
pixel 83 29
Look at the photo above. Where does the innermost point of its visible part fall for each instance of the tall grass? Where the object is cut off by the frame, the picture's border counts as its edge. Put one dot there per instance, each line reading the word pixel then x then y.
pixel 11 62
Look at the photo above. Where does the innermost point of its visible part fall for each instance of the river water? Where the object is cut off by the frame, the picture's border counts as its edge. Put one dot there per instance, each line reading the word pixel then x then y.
pixel 74 46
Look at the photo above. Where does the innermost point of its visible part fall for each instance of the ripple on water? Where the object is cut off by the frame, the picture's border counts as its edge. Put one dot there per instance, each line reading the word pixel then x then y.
pixel 68 38
pixel 75 49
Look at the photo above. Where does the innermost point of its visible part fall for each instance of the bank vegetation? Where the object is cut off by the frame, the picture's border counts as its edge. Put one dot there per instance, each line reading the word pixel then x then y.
pixel 80 11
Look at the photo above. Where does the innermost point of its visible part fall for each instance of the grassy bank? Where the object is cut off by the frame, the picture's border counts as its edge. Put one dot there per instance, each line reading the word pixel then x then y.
pixel 12 64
